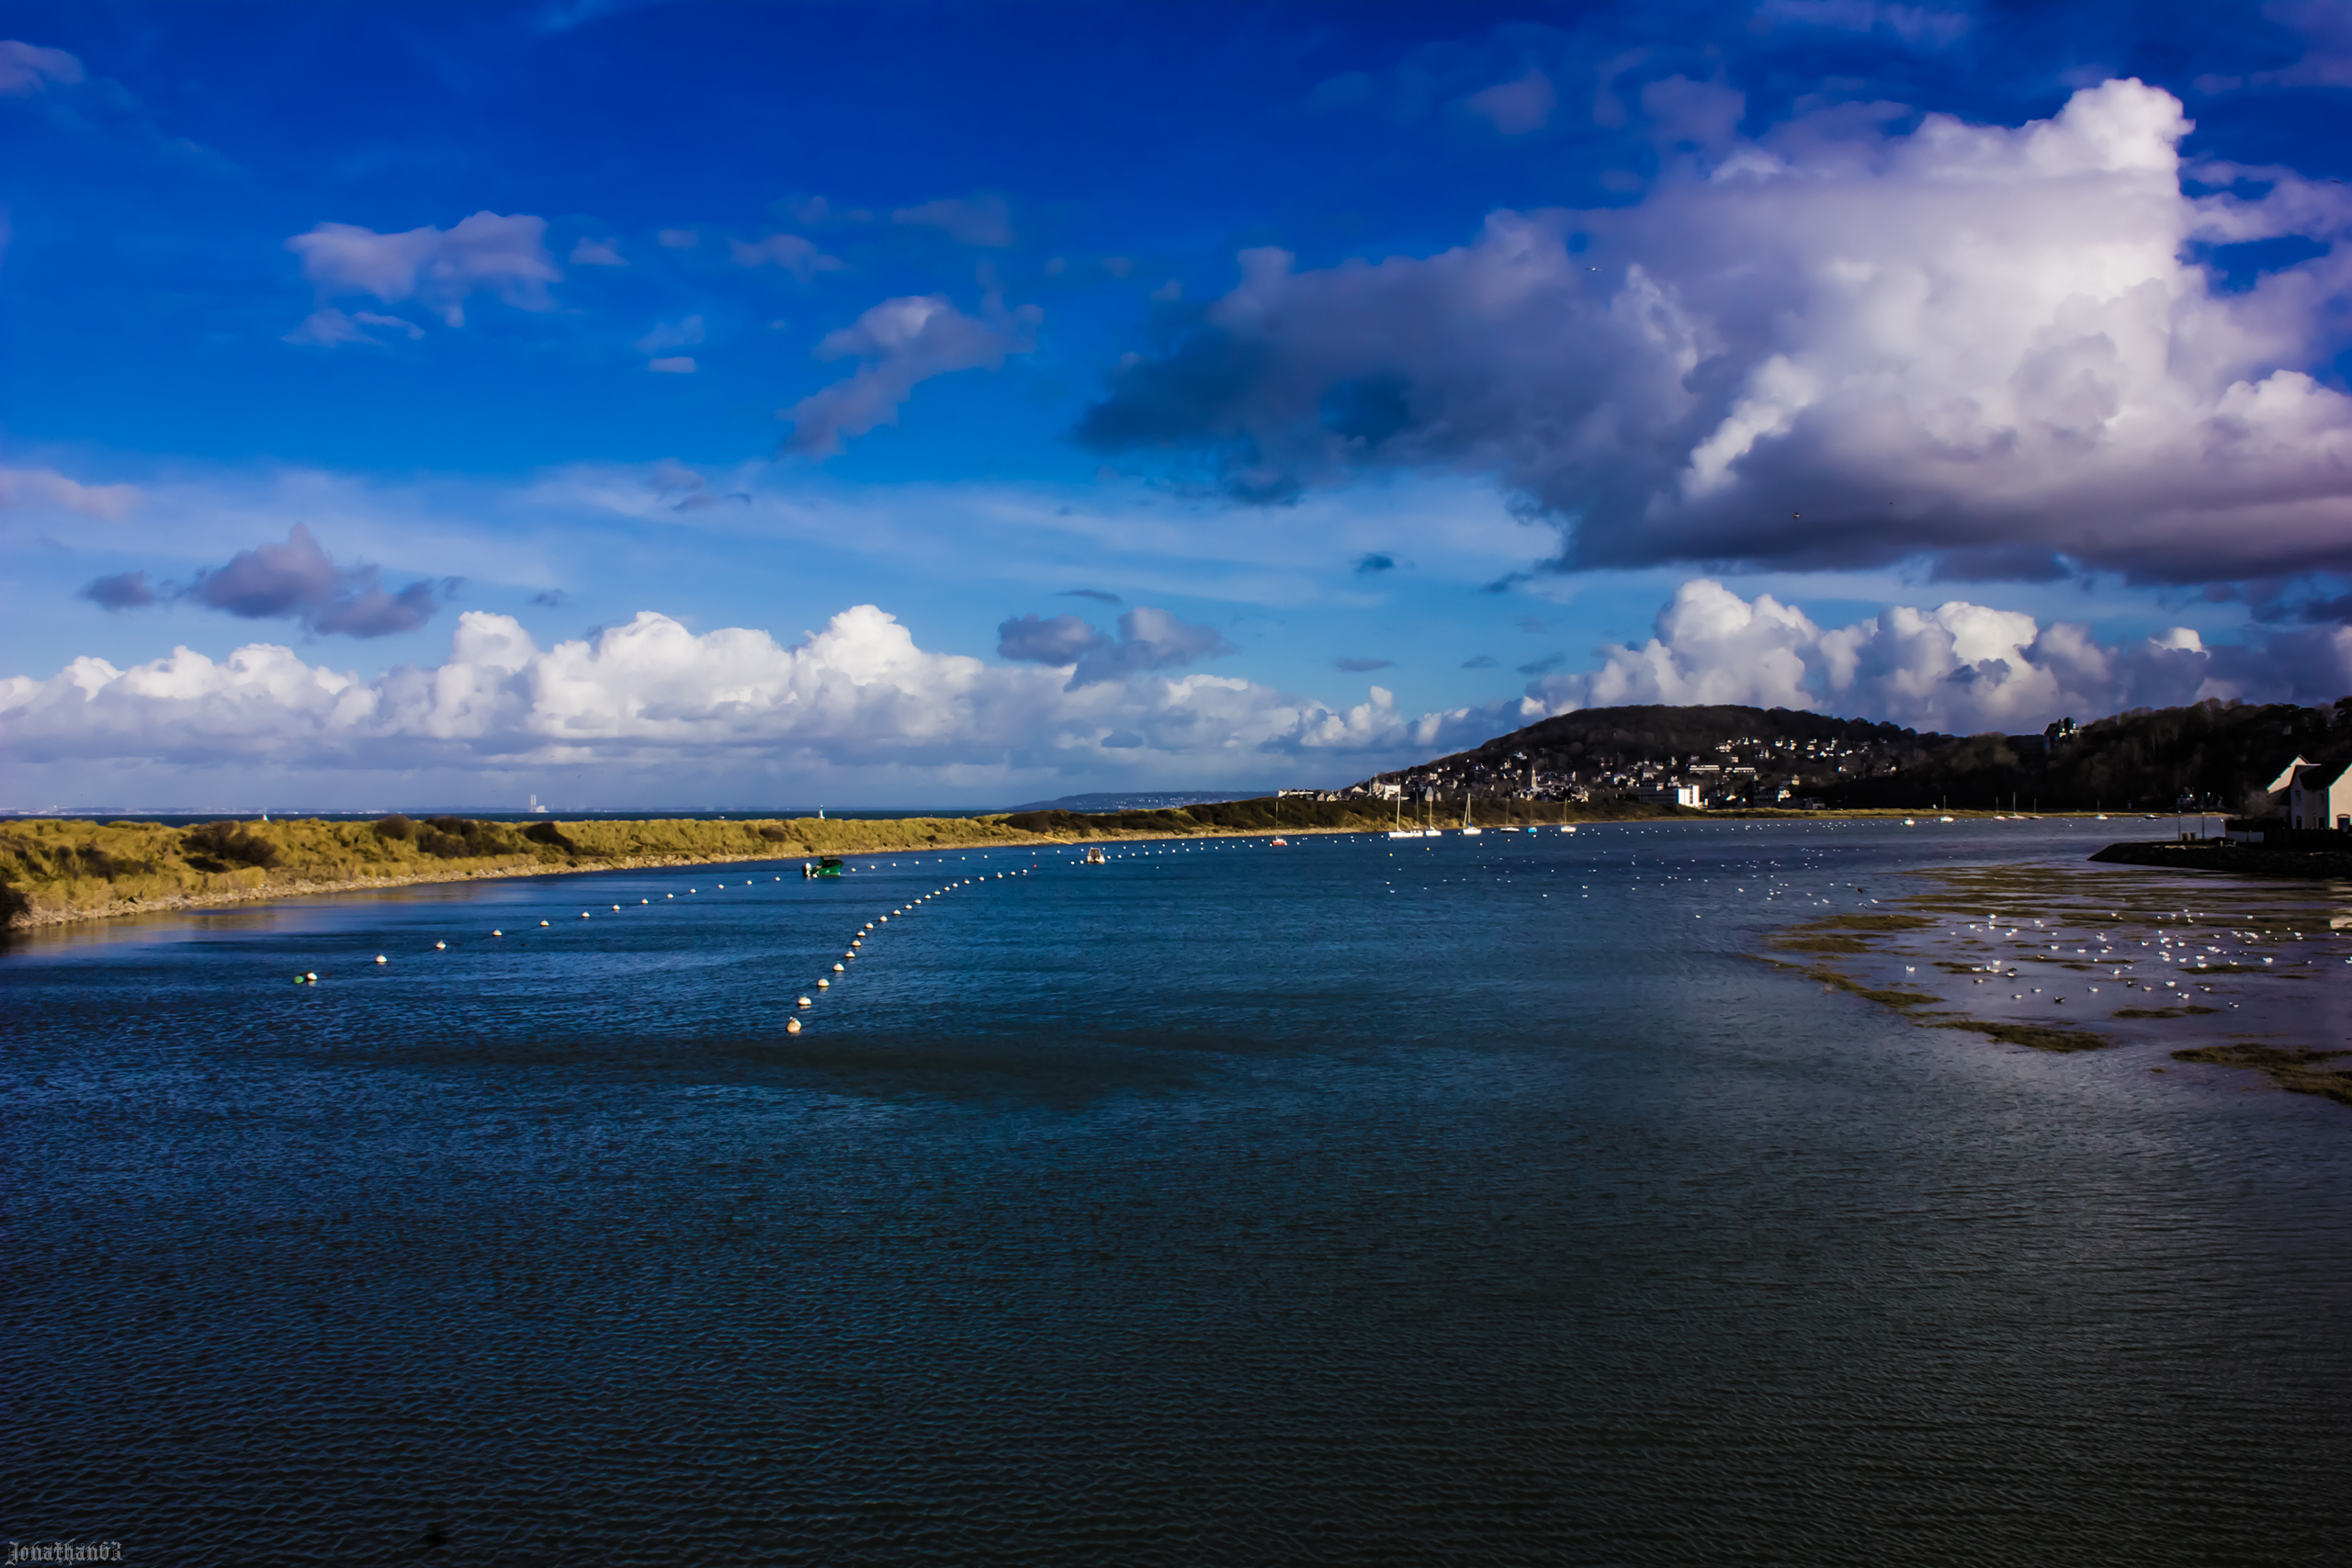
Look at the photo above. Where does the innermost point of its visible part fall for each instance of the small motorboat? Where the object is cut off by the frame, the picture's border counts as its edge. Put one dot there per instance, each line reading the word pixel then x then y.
pixel 1279 844
pixel 1094 855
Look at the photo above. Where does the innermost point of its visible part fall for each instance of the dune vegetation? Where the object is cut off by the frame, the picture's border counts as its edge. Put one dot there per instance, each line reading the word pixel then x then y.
pixel 59 870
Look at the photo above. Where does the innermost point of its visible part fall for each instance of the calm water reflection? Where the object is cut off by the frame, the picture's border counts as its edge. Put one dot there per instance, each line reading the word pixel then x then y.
pixel 1357 1201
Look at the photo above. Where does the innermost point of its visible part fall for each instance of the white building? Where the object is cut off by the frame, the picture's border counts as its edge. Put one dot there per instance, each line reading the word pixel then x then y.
pixel 2318 796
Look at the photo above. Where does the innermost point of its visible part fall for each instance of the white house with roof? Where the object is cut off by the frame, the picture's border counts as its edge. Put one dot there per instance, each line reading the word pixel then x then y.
pixel 2315 796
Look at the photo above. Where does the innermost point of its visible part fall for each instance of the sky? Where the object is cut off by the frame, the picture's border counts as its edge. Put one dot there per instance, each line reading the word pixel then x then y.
pixel 880 405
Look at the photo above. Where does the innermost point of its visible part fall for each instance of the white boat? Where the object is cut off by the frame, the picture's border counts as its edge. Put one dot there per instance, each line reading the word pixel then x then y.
pixel 1408 833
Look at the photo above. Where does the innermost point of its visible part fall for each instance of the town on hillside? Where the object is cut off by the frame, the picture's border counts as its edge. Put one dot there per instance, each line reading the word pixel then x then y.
pixel 2216 755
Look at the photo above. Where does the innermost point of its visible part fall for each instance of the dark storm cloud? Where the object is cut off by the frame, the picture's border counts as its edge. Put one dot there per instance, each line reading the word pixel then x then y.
pixel 298 581
pixel 123 590
pixel 1147 639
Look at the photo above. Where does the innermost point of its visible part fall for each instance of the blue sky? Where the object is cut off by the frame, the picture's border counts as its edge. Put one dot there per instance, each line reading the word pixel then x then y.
pixel 725 404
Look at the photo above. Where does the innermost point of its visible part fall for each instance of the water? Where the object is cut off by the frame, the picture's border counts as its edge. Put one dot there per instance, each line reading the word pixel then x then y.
pixel 1352 1202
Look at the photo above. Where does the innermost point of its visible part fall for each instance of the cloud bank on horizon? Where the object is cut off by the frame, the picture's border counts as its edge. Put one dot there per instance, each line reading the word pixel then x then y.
pixel 860 699
pixel 2019 358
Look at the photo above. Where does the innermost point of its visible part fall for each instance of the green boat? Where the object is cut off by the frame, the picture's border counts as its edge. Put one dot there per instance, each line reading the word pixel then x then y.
pixel 829 866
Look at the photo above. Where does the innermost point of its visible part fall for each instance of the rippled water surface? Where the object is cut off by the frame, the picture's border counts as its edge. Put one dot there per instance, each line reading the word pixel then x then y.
pixel 1360 1201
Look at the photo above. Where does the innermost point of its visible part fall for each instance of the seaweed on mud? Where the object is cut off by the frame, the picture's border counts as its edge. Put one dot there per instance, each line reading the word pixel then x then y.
pixel 2295 1071
pixel 2163 1012
pixel 1896 1000
pixel 2063 1041
pixel 1871 923
pixel 1847 934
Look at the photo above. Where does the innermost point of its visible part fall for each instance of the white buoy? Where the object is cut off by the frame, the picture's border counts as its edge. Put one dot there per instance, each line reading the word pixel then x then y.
pixel 440 946
pixel 583 914
pixel 804 1001
pixel 543 922
pixel 824 985
pixel 616 908
pixel 498 934
pixel 792 1026
pixel 311 975
pixel 382 959
pixel 837 969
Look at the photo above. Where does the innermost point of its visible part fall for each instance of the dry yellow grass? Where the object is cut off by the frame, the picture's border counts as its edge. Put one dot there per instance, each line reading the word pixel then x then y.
pixel 54 871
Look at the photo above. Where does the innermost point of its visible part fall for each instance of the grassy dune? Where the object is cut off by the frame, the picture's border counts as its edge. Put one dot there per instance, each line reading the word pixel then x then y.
pixel 54 871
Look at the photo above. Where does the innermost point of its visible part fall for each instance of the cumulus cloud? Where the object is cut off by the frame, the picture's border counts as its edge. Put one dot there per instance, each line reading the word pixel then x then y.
pixel 298 581
pixel 651 692
pixel 899 343
pixel 974 221
pixel 1960 667
pixel 1147 639
pixel 28 68
pixel 439 268
pixel 46 489
pixel 1994 348
pixel 790 252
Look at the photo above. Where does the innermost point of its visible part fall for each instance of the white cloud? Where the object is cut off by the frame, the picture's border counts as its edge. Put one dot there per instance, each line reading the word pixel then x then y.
pixel 38 489
pixel 1961 668
pixel 28 68
pixel 790 252
pixel 976 221
pixel 437 267
pixel 327 327
pixel 596 252
pixel 902 341
pixel 672 334
pixel 1987 346
pixel 652 694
